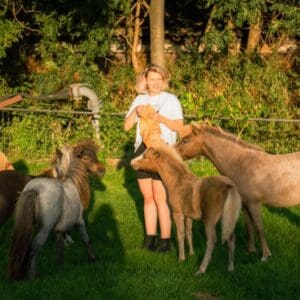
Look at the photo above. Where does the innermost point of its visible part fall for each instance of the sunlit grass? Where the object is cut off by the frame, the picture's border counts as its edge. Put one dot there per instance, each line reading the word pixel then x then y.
pixel 125 271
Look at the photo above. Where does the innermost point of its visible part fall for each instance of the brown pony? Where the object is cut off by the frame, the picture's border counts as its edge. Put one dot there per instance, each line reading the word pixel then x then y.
pixel 12 182
pixel 261 178
pixel 192 198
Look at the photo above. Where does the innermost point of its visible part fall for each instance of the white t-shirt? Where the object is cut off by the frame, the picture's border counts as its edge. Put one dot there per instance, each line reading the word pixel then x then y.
pixel 165 104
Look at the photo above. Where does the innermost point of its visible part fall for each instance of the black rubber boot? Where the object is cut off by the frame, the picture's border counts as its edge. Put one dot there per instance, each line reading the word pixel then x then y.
pixel 163 246
pixel 150 242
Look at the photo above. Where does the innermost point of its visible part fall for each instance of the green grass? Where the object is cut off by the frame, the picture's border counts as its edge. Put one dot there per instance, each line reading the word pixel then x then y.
pixel 124 271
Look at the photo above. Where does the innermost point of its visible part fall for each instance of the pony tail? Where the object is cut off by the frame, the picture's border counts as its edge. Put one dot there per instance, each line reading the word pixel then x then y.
pixel 231 212
pixel 22 235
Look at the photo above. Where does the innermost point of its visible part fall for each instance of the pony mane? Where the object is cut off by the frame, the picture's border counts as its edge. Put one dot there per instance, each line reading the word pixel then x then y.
pixel 71 167
pixel 219 132
pixel 170 152
pixel 87 145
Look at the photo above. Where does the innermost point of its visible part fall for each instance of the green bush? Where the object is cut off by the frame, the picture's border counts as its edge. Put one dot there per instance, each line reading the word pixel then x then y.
pixel 36 136
pixel 224 91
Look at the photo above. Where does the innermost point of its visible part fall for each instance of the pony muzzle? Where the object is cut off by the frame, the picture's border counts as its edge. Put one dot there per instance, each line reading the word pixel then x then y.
pixel 135 162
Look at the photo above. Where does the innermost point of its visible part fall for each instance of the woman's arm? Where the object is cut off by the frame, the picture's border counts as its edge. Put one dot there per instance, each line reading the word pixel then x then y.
pixel 174 125
pixel 130 120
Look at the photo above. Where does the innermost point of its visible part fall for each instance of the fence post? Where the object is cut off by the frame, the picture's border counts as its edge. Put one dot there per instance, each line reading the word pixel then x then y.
pixel 78 90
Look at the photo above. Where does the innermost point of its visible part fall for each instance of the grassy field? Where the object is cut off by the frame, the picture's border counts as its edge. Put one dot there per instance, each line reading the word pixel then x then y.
pixel 125 271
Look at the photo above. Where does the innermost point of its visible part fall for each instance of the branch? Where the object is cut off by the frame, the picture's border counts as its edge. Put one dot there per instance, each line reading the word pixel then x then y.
pixel 15 13
pixel 120 20
pixel 146 6
pixel 127 40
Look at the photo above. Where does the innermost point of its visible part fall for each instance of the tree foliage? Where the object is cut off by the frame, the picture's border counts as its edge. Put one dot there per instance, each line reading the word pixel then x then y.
pixel 59 34
pixel 47 45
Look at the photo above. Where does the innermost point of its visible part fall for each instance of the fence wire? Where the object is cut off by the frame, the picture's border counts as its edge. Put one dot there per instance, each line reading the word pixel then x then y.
pixel 36 133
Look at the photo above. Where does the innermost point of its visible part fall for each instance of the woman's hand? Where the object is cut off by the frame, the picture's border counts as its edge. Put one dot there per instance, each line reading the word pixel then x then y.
pixel 157 117
pixel 175 125
pixel 131 119
pixel 138 109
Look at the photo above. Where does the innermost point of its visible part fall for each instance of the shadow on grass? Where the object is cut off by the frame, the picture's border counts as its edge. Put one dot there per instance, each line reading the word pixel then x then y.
pixel 293 218
pixel 104 231
pixel 130 181
pixel 110 253
pixel 96 184
pixel 108 236
pixel 20 165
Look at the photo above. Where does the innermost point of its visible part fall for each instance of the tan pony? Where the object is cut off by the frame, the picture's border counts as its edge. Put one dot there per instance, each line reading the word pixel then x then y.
pixel 209 199
pixel 261 178
pixel 5 164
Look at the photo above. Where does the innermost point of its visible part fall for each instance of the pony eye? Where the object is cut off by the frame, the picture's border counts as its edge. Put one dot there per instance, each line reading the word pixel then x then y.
pixel 156 154
pixel 184 141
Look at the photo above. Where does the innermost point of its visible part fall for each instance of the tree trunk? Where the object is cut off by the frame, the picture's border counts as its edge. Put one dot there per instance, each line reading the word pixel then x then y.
pixel 129 38
pixel 254 35
pixel 157 32
pixel 234 43
pixel 132 36
pixel 136 37
pixel 208 27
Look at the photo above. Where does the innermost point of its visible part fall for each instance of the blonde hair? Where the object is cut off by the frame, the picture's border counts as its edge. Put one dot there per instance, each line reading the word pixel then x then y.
pixel 141 82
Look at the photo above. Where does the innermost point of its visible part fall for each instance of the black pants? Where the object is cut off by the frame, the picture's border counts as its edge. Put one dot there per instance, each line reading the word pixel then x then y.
pixel 140 174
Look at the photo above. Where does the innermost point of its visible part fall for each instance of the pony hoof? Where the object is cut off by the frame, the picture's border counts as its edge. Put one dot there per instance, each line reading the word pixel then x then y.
pixel 230 269
pixel 92 258
pixel 199 273
pixel 251 250
pixel 68 240
pixel 265 258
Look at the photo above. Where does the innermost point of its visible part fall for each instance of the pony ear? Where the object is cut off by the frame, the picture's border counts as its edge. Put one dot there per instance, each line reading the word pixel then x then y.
pixel 195 129
pixel 153 152
pixel 156 154
pixel 78 151
pixel 59 154
pixel 185 130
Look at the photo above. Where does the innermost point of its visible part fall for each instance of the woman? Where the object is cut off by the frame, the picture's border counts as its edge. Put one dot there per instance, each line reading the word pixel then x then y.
pixel 151 86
